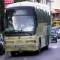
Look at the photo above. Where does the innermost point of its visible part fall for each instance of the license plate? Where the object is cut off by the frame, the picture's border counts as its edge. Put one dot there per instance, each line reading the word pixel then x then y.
pixel 9 42
pixel 19 46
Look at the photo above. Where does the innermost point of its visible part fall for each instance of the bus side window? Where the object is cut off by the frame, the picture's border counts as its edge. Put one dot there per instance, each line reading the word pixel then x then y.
pixel 45 16
pixel 37 10
pixel 36 19
pixel 41 15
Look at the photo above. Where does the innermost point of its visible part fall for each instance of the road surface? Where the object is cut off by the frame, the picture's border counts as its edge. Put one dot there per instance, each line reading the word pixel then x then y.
pixel 53 53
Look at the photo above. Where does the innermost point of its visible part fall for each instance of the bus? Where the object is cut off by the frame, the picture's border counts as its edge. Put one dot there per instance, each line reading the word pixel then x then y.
pixel 27 27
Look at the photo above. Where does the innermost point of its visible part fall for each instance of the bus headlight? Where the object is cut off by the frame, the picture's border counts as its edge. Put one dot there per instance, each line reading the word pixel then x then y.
pixel 30 41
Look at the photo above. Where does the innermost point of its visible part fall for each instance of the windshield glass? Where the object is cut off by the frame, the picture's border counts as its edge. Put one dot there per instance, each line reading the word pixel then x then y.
pixel 24 23
pixel 20 20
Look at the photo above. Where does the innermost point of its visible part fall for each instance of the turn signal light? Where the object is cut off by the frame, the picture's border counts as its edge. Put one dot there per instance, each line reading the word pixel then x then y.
pixel 34 41
pixel 4 42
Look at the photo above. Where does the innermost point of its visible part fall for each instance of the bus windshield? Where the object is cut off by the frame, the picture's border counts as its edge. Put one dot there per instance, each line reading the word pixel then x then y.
pixel 21 19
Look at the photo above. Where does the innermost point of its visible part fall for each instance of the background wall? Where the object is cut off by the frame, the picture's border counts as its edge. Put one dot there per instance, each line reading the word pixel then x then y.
pixel 55 4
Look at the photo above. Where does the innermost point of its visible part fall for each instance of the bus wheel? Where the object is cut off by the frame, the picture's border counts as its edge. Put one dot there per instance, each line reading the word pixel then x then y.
pixel 46 47
pixel 1 52
pixel 39 49
pixel 4 51
pixel 13 53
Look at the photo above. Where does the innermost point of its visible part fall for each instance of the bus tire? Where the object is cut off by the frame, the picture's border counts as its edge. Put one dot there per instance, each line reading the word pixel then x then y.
pixel 47 44
pixel 13 53
pixel 4 51
pixel 1 52
pixel 46 47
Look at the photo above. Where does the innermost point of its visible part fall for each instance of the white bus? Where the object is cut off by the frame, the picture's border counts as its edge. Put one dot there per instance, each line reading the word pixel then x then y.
pixel 27 27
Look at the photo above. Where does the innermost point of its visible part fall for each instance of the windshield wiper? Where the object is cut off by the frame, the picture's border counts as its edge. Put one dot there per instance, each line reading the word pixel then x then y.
pixel 11 31
pixel 18 31
pixel 22 32
pixel 25 32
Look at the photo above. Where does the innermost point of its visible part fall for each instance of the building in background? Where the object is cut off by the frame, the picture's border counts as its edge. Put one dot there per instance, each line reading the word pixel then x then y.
pixel 7 2
pixel 39 1
pixel 55 13
pixel 56 4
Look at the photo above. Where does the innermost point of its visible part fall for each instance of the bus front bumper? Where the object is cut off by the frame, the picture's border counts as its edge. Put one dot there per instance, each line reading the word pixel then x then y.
pixel 26 47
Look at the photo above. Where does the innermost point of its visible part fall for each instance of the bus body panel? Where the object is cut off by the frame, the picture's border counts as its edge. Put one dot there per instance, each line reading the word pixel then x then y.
pixel 23 43
pixel 42 32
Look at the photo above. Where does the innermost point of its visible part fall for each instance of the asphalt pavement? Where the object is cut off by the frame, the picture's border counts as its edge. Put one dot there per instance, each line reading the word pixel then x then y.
pixel 53 53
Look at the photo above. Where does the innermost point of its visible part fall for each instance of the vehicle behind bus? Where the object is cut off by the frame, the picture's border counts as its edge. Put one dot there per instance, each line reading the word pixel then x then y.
pixel 54 34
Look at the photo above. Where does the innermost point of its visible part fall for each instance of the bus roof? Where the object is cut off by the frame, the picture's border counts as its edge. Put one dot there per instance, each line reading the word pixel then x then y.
pixel 28 3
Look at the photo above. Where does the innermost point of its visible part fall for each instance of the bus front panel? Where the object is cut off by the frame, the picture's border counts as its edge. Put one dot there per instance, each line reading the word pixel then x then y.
pixel 20 29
